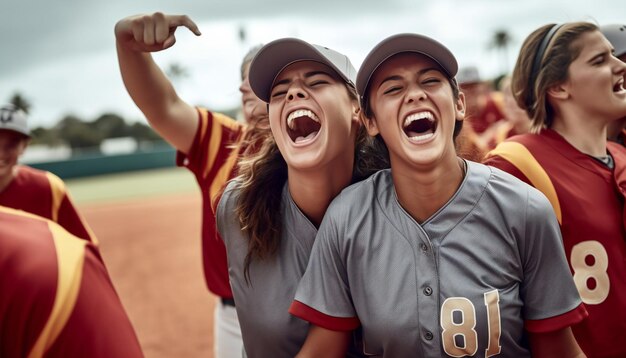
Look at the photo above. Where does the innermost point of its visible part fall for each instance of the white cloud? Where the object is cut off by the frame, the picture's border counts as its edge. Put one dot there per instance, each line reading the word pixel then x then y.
pixel 62 56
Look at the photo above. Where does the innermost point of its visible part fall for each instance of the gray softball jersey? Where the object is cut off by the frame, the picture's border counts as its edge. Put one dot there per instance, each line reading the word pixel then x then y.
pixel 463 283
pixel 267 328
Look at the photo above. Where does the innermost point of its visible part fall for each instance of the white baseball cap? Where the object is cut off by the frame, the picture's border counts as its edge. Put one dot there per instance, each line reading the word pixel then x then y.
pixel 468 75
pixel 14 119
pixel 616 34
pixel 276 55
pixel 399 43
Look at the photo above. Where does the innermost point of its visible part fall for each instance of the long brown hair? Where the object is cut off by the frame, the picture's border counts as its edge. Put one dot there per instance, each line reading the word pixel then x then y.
pixel 543 62
pixel 260 184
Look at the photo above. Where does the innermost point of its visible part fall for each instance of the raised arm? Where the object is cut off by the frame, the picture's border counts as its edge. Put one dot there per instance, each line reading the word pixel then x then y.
pixel 137 36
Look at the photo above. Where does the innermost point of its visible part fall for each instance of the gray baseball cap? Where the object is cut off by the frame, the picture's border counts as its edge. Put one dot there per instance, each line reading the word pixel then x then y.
pixel 399 43
pixel 276 55
pixel 616 34
pixel 14 119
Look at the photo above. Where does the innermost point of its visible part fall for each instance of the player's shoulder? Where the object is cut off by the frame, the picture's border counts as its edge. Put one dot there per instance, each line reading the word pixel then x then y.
pixel 515 200
pixel 206 115
pixel 361 195
pixel 29 230
pixel 508 188
pixel 37 177
pixel 230 194
pixel 30 173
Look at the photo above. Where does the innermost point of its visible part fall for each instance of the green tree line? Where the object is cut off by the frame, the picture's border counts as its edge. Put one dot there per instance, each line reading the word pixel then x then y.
pixel 78 133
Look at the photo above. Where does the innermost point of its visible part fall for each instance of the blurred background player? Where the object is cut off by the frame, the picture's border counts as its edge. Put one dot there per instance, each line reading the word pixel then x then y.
pixel 571 85
pixel 485 110
pixel 616 34
pixel 208 143
pixel 57 299
pixel 483 105
pixel 22 187
pixel 514 119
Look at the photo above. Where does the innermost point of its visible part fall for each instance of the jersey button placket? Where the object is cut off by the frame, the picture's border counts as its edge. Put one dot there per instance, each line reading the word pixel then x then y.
pixel 428 335
pixel 428 291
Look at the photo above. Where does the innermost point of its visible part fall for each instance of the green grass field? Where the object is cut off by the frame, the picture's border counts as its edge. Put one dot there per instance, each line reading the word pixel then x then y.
pixel 131 185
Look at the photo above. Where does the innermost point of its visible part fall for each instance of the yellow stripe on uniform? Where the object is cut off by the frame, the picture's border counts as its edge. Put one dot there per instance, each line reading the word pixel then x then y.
pixel 215 142
pixel 58 191
pixel 57 187
pixel 518 155
pixel 223 175
pixel 70 259
pixel 214 145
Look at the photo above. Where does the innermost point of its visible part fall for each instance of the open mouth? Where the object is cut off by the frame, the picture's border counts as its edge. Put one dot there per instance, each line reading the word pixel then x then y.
pixel 420 126
pixel 619 86
pixel 302 125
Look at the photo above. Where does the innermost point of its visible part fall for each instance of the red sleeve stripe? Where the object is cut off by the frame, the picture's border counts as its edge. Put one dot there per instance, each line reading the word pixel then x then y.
pixel 558 322
pixel 320 319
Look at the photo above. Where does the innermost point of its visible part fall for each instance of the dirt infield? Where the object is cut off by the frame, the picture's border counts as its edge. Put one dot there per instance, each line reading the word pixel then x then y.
pixel 151 247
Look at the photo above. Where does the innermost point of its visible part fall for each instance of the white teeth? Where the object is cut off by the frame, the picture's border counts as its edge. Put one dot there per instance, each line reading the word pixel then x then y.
pixel 300 113
pixel 417 116
pixel 422 137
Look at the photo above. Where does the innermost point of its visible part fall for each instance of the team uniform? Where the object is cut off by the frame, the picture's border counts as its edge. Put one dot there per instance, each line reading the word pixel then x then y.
pixel 44 194
pixel 267 328
pixel 487 115
pixel 57 299
pixel 212 159
pixel 470 280
pixel 588 199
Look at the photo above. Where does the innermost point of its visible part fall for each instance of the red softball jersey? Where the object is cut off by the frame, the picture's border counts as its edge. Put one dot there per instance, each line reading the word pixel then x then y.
pixel 588 199
pixel 57 299
pixel 44 194
pixel 213 161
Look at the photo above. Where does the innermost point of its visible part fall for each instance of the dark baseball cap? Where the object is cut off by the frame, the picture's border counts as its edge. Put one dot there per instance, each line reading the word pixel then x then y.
pixel 14 119
pixel 616 34
pixel 276 55
pixel 399 43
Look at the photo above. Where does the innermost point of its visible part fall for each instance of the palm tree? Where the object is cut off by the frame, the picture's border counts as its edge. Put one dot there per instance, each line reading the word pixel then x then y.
pixel 20 102
pixel 500 41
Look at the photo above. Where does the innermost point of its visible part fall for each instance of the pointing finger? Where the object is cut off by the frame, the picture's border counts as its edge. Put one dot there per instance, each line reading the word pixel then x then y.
pixel 184 20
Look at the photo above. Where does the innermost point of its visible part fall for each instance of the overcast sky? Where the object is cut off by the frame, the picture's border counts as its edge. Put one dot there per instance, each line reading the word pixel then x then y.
pixel 60 55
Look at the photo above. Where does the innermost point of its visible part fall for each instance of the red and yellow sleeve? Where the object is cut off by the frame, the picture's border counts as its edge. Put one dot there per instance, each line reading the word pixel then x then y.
pixel 62 301
pixel 64 212
pixel 214 152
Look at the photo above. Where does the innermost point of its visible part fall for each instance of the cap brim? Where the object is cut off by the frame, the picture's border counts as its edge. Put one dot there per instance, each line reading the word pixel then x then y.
pixel 16 130
pixel 399 43
pixel 278 54
pixel 13 119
